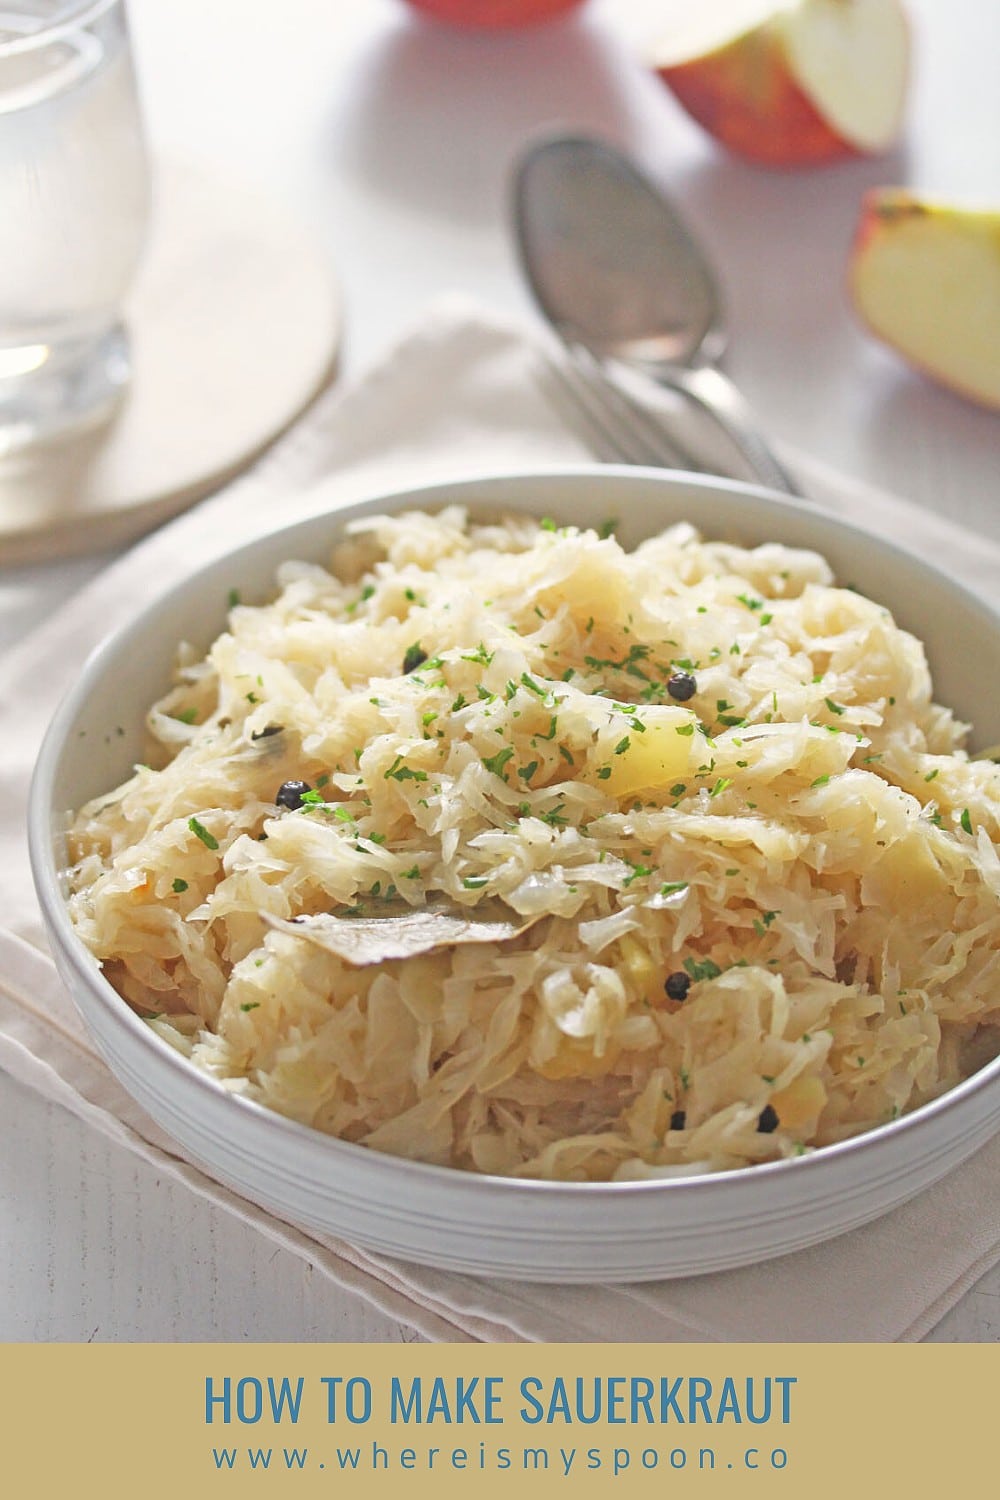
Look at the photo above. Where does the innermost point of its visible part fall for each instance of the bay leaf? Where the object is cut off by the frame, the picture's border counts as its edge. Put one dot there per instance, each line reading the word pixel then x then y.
pixel 373 935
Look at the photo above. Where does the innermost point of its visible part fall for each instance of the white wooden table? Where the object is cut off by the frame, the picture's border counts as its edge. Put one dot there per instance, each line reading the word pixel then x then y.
pixel 394 139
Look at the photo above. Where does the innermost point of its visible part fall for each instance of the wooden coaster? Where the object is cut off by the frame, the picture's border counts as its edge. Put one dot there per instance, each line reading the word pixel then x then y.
pixel 234 323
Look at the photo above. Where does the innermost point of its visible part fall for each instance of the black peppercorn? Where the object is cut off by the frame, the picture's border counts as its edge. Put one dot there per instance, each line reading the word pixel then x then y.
pixel 681 686
pixel 677 1119
pixel 767 1120
pixel 677 985
pixel 290 794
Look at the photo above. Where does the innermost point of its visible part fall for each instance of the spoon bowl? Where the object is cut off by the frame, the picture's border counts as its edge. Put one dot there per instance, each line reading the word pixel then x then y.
pixel 616 271
pixel 610 261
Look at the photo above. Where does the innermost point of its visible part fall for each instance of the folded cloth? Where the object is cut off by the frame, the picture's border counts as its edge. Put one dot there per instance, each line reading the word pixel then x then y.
pixel 462 394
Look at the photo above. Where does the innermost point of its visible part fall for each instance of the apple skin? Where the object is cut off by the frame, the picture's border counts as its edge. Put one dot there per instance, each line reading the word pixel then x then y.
pixel 940 264
pixel 744 95
pixel 494 15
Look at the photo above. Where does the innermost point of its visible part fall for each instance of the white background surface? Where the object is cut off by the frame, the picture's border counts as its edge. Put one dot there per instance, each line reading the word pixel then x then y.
pixel 394 139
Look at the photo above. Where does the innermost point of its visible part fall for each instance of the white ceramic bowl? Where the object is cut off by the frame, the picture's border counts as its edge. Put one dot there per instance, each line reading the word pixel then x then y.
pixel 566 1232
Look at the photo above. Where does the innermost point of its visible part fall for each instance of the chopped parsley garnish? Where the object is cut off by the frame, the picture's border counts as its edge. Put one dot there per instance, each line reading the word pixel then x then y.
pixel 496 763
pixel 603 773
pixel 233 598
pixel 702 968
pixel 480 655
pixel 475 882
pixel 684 729
pixel 547 524
pixel 532 685
pixel 526 772
pixel 607 528
pixel 458 703
pixel 750 602
pixel 835 708
pixel 820 781
pixel 622 746
pixel 415 657
pixel 398 772
pixel 413 873
pixel 201 832
pixel 721 785
pixel 180 885
pixel 566 755
pixel 678 789
pixel 931 774
pixel 637 873
pixel 250 1005
pixel 966 820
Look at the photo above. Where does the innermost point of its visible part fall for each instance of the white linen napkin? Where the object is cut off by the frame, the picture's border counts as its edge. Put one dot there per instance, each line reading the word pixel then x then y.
pixel 461 394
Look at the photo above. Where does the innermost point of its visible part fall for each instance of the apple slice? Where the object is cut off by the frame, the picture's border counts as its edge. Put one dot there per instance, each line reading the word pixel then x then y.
pixel 925 278
pixel 493 14
pixel 792 83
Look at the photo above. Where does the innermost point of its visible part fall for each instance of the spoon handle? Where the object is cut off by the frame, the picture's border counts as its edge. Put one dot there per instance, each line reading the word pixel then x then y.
pixel 715 393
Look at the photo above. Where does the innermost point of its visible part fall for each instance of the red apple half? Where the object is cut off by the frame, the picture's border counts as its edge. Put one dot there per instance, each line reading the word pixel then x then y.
pixel 792 84
pixel 925 278
pixel 493 14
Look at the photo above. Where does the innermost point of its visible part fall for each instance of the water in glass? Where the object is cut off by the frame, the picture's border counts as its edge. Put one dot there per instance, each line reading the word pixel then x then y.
pixel 73 209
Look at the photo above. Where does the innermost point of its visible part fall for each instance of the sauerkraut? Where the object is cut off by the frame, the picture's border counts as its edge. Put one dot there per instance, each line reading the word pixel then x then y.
pixel 750 874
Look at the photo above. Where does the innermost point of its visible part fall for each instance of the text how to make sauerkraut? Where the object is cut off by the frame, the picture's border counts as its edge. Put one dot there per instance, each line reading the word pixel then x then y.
pixel 616 1425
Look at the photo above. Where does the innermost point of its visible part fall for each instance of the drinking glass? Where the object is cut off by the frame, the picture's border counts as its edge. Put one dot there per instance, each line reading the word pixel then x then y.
pixel 74 206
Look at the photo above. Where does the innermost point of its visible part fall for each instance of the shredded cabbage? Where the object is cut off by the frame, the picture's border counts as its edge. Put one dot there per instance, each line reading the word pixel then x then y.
pixel 494 716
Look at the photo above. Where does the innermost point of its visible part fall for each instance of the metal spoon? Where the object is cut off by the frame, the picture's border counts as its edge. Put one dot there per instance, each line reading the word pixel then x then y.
pixel 614 269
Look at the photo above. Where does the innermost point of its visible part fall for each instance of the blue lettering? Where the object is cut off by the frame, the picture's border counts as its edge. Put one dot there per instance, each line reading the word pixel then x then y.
pixel 211 1399
pixel 729 1405
pixel 699 1391
pixel 253 1411
pixel 668 1400
pixel 528 1384
pixel 282 1397
pixel 404 1407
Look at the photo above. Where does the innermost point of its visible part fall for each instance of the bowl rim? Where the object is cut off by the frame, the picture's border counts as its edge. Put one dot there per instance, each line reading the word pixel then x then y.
pixel 162 1055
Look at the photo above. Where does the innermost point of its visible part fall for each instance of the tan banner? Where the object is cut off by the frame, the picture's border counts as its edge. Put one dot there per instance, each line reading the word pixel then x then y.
pixel 218 1420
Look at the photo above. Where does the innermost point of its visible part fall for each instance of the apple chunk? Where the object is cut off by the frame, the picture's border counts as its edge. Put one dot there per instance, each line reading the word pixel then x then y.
pixel 925 278
pixel 792 83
